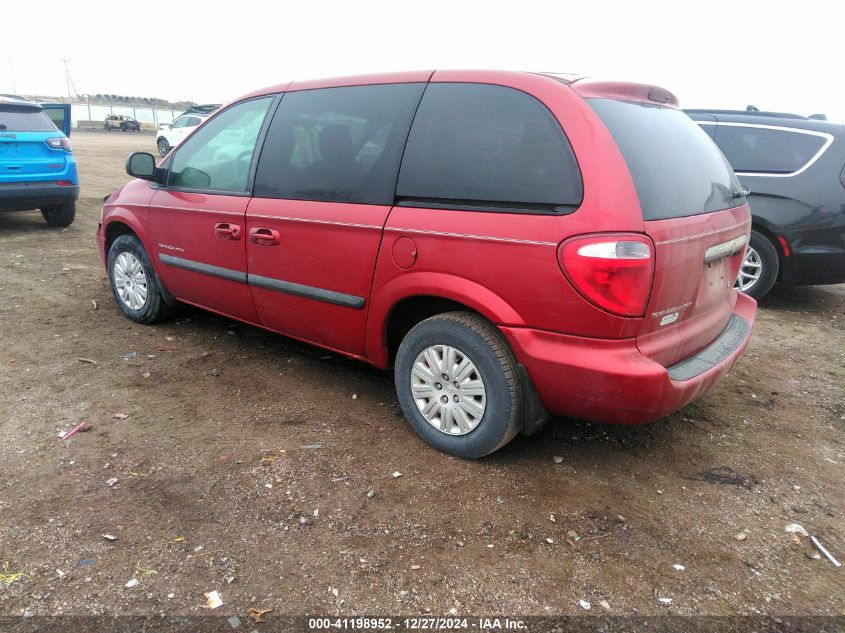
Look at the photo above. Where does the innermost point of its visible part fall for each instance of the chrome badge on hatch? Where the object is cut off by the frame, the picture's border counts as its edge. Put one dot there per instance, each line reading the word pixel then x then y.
pixel 669 318
pixel 670 315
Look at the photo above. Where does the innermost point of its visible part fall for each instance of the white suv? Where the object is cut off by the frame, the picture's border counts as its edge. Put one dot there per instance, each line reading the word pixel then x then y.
pixel 170 135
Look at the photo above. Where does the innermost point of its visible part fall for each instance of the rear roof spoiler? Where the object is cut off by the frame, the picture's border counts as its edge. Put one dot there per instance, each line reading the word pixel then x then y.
pixel 20 104
pixel 624 91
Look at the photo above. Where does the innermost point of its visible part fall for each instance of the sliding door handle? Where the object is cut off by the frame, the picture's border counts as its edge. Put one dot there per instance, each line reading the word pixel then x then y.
pixel 264 237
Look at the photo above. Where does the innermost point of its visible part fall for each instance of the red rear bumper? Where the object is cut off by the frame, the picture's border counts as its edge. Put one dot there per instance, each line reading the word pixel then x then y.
pixel 611 380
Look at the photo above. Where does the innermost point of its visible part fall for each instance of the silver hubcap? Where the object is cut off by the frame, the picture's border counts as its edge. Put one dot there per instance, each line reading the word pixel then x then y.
pixel 750 271
pixel 130 280
pixel 448 389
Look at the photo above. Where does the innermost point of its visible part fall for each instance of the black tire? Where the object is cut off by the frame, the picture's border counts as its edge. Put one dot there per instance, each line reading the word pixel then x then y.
pixel 108 127
pixel 769 260
pixel 163 146
pixel 159 304
pixel 484 345
pixel 61 215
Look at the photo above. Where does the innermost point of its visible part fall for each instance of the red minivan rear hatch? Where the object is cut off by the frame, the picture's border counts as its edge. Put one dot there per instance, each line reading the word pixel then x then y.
pixel 696 215
pixel 696 262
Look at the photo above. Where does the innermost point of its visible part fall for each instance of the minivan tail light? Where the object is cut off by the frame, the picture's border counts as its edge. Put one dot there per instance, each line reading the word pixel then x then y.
pixel 60 142
pixel 614 272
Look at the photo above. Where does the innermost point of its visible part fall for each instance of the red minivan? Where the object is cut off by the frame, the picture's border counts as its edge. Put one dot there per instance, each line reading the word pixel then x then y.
pixel 513 244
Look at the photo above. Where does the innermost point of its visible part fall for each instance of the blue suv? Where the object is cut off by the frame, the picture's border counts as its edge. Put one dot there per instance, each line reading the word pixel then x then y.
pixel 37 167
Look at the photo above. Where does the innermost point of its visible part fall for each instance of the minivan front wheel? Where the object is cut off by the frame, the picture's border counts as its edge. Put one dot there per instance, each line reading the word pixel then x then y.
pixel 135 285
pixel 760 266
pixel 458 384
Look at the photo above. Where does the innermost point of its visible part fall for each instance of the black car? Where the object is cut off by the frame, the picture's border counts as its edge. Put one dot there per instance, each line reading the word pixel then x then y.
pixel 795 169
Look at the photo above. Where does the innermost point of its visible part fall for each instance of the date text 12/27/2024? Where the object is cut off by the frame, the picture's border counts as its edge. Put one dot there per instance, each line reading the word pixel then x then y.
pixel 416 624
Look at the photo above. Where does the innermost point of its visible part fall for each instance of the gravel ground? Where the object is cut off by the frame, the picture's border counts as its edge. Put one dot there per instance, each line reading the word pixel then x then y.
pixel 241 462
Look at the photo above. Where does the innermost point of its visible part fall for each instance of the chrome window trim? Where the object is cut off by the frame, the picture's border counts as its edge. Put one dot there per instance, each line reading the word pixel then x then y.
pixel 283 218
pixel 697 235
pixel 828 141
pixel 508 240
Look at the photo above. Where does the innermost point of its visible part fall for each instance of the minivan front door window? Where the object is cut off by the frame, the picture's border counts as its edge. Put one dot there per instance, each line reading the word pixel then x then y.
pixel 218 156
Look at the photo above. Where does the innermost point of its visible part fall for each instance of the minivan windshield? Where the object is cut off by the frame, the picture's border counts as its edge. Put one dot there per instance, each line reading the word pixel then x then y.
pixel 677 169
pixel 15 118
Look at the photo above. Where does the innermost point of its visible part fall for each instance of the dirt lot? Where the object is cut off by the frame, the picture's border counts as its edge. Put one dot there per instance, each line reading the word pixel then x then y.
pixel 245 461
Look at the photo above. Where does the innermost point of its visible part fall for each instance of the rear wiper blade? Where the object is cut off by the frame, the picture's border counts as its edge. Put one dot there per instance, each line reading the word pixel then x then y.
pixel 740 193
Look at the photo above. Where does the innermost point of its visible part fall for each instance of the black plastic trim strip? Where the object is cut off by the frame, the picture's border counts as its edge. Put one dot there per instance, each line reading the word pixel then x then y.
pixel 725 344
pixel 309 292
pixel 205 269
pixel 268 283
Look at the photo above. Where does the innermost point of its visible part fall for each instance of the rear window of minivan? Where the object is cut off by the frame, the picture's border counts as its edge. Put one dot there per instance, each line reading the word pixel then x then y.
pixel 677 169
pixel 15 118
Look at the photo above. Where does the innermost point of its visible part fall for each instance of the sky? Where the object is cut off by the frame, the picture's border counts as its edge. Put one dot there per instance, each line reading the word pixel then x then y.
pixel 779 56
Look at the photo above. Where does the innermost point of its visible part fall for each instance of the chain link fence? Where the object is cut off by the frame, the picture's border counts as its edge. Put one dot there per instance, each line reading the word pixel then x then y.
pixel 90 115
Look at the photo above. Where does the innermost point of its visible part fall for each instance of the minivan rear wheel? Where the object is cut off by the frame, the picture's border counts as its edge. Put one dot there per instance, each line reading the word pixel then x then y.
pixel 136 288
pixel 458 384
pixel 60 215
pixel 760 267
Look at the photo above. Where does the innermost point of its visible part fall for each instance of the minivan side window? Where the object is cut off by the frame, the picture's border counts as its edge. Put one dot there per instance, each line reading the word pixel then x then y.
pixel 767 150
pixel 218 156
pixel 488 147
pixel 337 144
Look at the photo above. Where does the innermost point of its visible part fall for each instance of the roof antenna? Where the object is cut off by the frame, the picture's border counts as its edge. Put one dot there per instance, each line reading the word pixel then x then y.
pixel 752 108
